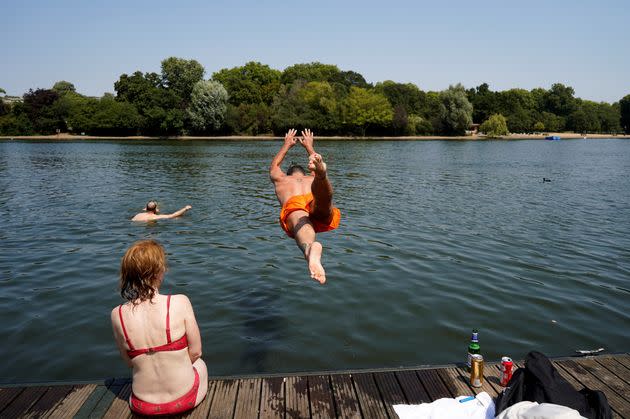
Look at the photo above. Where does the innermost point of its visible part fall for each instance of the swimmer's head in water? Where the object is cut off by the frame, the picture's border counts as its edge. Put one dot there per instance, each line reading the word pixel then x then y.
pixel 142 270
pixel 152 207
pixel 295 168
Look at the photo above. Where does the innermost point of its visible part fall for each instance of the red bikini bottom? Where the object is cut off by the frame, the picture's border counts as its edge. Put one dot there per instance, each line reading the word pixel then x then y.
pixel 183 404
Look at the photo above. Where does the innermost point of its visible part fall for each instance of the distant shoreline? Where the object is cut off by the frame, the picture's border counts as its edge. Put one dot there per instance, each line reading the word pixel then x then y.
pixel 562 135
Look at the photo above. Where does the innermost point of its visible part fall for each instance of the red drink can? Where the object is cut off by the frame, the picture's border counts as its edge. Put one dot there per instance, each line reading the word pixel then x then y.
pixel 506 370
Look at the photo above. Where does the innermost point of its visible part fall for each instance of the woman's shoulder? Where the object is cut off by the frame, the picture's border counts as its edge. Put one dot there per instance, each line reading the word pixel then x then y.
pixel 180 299
pixel 114 313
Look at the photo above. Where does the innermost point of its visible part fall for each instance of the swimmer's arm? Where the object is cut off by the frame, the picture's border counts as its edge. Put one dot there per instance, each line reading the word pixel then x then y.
pixel 120 339
pixel 275 172
pixel 192 331
pixel 175 214
pixel 307 141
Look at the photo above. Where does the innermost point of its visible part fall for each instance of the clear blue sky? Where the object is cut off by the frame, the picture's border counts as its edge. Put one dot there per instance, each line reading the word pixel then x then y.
pixel 526 44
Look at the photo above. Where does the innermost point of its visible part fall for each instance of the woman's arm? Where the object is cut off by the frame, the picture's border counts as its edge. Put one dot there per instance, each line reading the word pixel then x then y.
pixel 120 339
pixel 192 331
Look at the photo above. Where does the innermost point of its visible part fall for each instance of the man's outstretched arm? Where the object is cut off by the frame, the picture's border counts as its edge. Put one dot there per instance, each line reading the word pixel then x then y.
pixel 175 214
pixel 275 172
pixel 307 141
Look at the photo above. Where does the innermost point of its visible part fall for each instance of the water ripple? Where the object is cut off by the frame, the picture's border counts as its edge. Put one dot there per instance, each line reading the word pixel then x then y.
pixel 436 238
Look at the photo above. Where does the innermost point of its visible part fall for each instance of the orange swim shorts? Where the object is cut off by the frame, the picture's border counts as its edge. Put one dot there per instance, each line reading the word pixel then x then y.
pixel 303 203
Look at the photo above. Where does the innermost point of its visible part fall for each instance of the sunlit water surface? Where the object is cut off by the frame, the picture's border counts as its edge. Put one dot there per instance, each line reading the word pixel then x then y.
pixel 437 238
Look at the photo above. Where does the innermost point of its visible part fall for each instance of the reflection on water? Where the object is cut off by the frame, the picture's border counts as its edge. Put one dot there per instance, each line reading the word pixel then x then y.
pixel 436 238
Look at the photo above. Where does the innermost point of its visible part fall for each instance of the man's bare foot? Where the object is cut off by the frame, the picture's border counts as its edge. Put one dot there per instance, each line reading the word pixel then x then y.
pixel 316 164
pixel 314 258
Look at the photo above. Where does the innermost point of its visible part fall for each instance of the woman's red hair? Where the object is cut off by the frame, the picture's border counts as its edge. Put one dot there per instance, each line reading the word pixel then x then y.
pixel 140 270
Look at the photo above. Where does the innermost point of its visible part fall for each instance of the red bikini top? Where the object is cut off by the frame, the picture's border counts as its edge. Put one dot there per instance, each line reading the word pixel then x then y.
pixel 177 345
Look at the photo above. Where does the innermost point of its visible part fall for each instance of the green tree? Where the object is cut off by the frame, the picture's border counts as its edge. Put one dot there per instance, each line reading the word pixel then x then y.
pixel 312 105
pixel 180 75
pixel 16 122
pixel 63 87
pixel 252 83
pixel 405 95
pixel 624 112
pixel 519 108
pixel 159 108
pixel 249 118
pixel 485 102
pixel 417 125
pixel 608 116
pixel 315 71
pixel 38 105
pixel 112 117
pixel 494 126
pixel 552 122
pixel 539 126
pixel 351 78
pixel 208 105
pixel 559 100
pixel 4 107
pixel 79 111
pixel 363 109
pixel 455 111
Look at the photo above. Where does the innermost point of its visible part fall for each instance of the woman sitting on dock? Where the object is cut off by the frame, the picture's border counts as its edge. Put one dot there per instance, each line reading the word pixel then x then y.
pixel 157 336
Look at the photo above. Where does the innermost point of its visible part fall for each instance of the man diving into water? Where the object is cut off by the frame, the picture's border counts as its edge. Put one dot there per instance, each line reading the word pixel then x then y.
pixel 306 200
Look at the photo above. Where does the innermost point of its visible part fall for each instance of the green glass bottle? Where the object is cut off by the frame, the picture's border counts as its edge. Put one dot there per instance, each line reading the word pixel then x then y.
pixel 473 347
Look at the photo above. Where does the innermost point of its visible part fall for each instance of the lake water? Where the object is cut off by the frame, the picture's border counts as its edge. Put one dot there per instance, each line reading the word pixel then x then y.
pixel 437 238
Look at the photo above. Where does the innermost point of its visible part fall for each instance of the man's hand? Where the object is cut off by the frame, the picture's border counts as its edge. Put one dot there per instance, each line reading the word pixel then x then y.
pixel 289 138
pixel 187 207
pixel 307 141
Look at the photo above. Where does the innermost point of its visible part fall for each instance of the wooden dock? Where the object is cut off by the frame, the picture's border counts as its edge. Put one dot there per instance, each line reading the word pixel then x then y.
pixel 356 394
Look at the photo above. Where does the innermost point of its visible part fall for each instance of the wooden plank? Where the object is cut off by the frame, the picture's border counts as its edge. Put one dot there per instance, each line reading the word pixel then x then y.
pixel 119 408
pixel 48 402
pixel 390 390
pixel 456 384
pixel 492 374
pixel 485 385
pixel 623 359
pixel 616 368
pixel 202 410
pixel 370 401
pixel 346 401
pixel 248 401
pixel 576 384
pixel 604 376
pixel 272 398
pixel 224 399
pixel 321 397
pixel 411 386
pixel 297 405
pixel 7 395
pixel 20 405
pixel 73 401
pixel 106 401
pixel 90 403
pixel 433 383
pixel 617 403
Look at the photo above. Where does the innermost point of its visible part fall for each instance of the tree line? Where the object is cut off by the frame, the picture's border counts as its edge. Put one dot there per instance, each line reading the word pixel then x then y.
pixel 256 99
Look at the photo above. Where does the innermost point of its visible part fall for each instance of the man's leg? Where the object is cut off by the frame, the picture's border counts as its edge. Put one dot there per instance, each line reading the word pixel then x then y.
pixel 305 238
pixel 321 189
